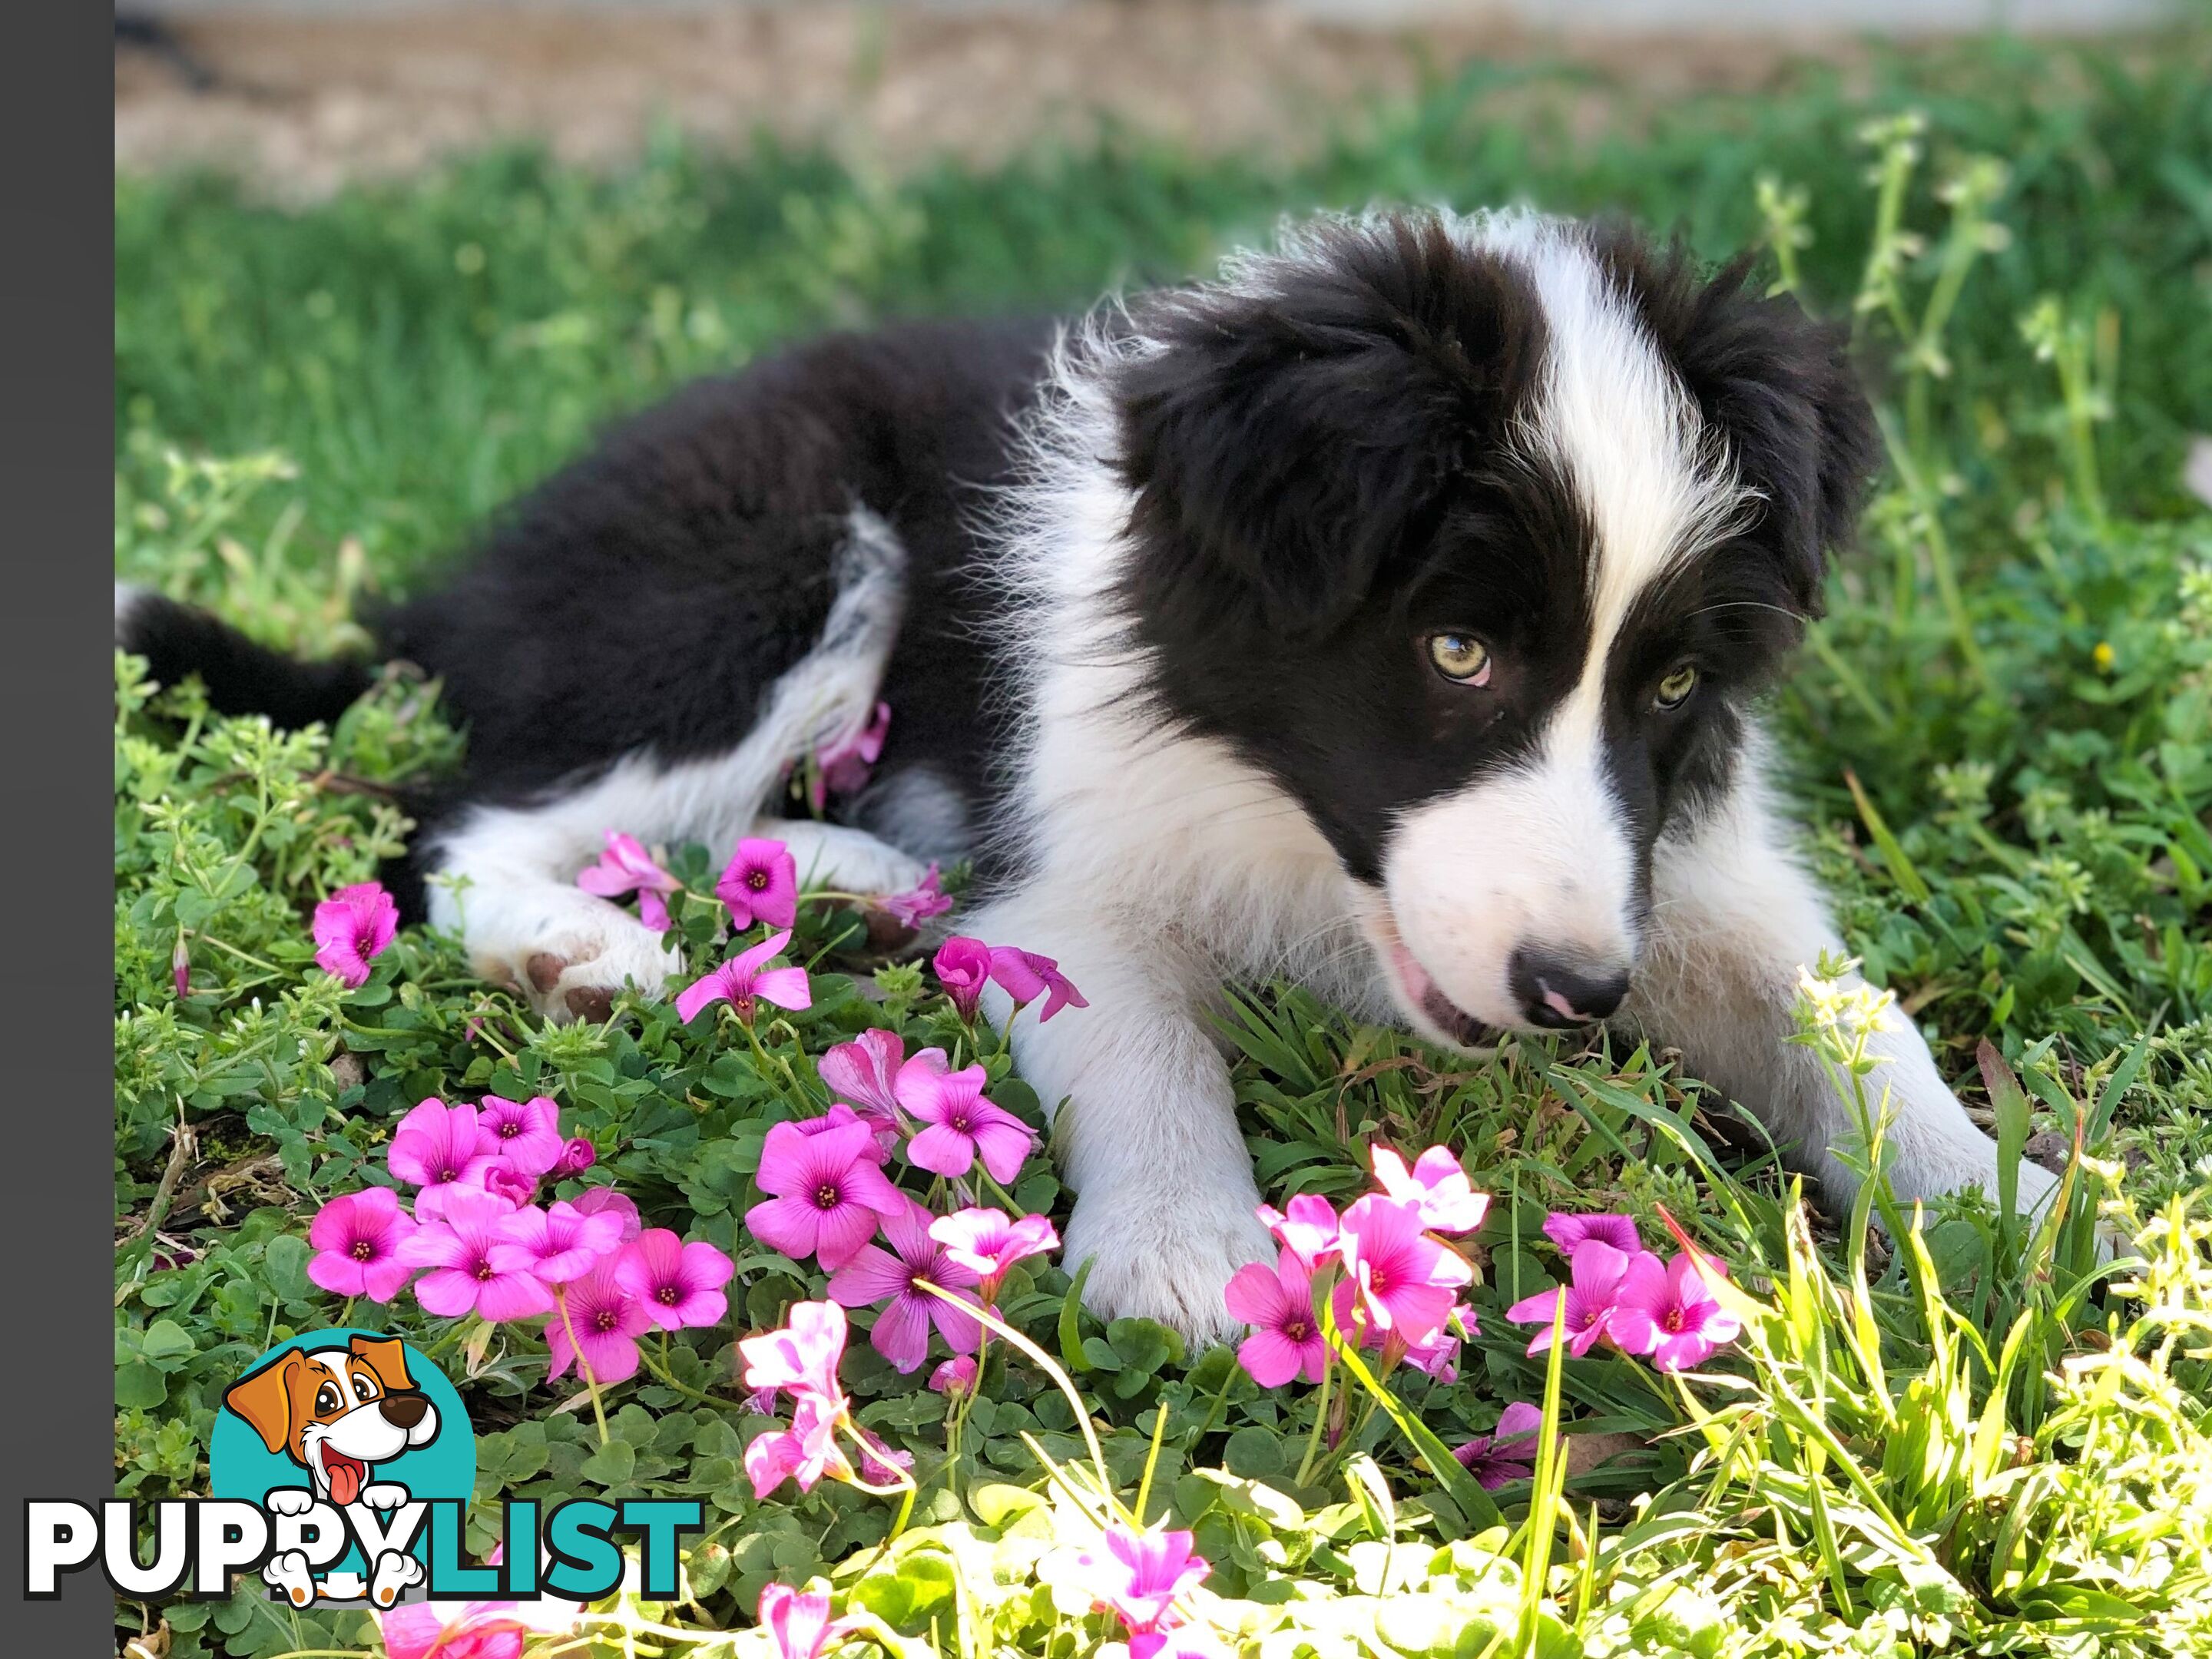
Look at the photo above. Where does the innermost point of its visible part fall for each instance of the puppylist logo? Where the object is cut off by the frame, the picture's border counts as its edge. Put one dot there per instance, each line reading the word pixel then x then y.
pixel 341 1467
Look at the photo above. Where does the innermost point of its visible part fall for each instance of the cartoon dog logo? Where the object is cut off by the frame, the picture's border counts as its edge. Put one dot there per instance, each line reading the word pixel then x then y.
pixel 337 1412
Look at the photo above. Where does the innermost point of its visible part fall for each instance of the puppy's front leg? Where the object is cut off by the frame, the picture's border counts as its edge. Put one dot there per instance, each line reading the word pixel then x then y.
pixel 1734 921
pixel 1144 1123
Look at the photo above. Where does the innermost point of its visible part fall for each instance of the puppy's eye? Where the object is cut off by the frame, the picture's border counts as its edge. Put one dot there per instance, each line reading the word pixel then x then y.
pixel 326 1399
pixel 1674 690
pixel 1459 658
pixel 362 1389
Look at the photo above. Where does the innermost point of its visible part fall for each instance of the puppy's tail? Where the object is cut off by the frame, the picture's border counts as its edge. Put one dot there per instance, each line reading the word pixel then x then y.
pixel 241 676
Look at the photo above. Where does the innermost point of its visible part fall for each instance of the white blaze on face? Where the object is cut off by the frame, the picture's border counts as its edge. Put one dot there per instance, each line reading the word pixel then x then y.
pixel 1542 855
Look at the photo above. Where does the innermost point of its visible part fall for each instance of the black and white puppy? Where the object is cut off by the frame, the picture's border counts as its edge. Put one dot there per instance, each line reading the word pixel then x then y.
pixel 1388 613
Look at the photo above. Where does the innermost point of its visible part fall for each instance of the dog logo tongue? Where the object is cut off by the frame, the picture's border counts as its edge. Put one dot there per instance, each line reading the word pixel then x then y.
pixel 345 1474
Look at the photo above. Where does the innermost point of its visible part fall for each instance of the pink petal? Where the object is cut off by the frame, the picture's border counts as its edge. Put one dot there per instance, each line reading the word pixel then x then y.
pixel 902 1334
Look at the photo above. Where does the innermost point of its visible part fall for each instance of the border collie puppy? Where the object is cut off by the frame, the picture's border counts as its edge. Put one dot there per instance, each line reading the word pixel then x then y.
pixel 1388 613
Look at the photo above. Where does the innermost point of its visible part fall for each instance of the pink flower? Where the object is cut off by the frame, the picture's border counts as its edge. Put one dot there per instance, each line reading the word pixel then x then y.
pixel 351 929
pixel 956 1376
pixel 963 967
pixel 1307 1227
pixel 1438 1353
pixel 503 1182
pixel 439 1145
pixel 1436 1186
pixel 677 1284
pixel 1507 1454
pixel 528 1131
pixel 577 1155
pixel 797 1621
pixel 842 766
pixel 804 1452
pixel 803 1356
pixel 760 883
pixel 557 1246
pixel 464 1278
pixel 1670 1314
pixel 827 1194
pixel 446 1629
pixel 896 1277
pixel 1570 1231
pixel 961 1125
pixel 605 1200
pixel 608 1321
pixel 987 1244
pixel 358 1239
pixel 741 981
pixel 842 1117
pixel 1026 976
pixel 1406 1282
pixel 864 1074
pixel 925 899
pixel 624 867
pixel 1139 1575
pixel 1277 1302
pixel 1597 1270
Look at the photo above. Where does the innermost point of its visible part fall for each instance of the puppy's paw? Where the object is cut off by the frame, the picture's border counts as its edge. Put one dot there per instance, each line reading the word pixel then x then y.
pixel 289 1573
pixel 393 1573
pixel 384 1494
pixel 574 974
pixel 1170 1263
pixel 289 1500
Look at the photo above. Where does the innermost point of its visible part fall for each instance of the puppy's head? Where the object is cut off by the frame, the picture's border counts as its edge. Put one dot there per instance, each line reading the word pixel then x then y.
pixel 1476 535
pixel 336 1411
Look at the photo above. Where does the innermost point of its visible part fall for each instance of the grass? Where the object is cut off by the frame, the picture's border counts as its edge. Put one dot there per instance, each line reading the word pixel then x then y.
pixel 1948 1436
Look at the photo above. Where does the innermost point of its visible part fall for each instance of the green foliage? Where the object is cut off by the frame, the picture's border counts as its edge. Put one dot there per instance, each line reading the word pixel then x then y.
pixel 1953 1436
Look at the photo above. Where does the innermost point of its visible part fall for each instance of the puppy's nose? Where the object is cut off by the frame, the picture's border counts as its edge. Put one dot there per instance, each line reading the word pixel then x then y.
pixel 1560 992
pixel 402 1411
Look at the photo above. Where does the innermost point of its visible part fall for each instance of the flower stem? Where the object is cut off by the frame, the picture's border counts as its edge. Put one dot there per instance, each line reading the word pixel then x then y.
pixel 1321 1417
pixel 661 1368
pixel 584 1365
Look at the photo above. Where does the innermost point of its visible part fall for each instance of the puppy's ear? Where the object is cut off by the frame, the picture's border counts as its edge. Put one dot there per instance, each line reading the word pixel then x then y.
pixel 388 1359
pixel 263 1399
pixel 1287 434
pixel 1778 384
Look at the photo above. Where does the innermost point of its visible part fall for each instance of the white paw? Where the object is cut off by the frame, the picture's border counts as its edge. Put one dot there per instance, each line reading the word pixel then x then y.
pixel 849 861
pixel 384 1494
pixel 395 1570
pixel 572 972
pixel 1167 1261
pixel 289 1500
pixel 289 1572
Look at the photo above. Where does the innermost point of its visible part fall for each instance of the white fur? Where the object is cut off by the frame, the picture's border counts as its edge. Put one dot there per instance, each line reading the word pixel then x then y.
pixel 507 874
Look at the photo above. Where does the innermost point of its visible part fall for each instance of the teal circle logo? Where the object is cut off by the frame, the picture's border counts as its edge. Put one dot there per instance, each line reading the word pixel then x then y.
pixel 348 1419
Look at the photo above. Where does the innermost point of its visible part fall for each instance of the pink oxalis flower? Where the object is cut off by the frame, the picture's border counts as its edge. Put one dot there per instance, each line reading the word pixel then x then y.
pixel 577 1155
pixel 558 1245
pixel 528 1131
pixel 1307 1227
pixel 457 1249
pixel 960 1125
pixel 956 1375
pixel 1139 1575
pixel 760 883
pixel 1670 1314
pixel 438 1145
pixel 797 1621
pixel 358 1241
pixel 1435 1186
pixel 1026 976
pixel 842 766
pixel 987 1245
pixel 605 1200
pixel 963 967
pixel 1570 1232
pixel 864 1074
pixel 608 1321
pixel 626 868
pixel 677 1284
pixel 1406 1281
pixel 745 980
pixel 352 927
pixel 1277 1303
pixel 1507 1453
pixel 1597 1270
pixel 827 1196
pixel 925 899
pixel 802 1357
pixel 896 1278
pixel 804 1452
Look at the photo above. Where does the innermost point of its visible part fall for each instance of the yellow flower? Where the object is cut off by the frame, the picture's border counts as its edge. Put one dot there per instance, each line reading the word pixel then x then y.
pixel 2103 656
